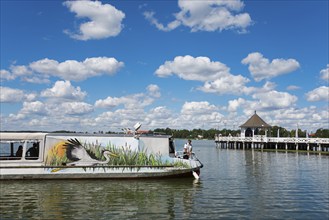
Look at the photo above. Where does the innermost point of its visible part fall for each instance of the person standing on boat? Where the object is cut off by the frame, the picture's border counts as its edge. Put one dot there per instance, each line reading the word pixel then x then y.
pixel 187 149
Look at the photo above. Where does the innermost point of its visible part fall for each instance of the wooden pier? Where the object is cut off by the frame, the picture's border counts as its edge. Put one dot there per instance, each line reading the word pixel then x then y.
pixel 263 142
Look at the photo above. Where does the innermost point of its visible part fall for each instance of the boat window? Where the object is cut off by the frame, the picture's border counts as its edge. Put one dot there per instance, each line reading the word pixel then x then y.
pixel 20 149
pixel 32 152
pixel 11 150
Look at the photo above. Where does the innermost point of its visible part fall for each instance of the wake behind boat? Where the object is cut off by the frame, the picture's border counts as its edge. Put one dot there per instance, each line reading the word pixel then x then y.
pixel 87 156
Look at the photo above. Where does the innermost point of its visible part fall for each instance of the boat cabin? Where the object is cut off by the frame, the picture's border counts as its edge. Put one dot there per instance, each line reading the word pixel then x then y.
pixel 37 146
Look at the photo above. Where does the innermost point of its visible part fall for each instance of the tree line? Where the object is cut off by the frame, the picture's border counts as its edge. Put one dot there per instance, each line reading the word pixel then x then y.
pixel 210 134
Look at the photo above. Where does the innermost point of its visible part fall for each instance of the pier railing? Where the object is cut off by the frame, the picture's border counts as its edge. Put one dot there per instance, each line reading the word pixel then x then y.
pixel 261 141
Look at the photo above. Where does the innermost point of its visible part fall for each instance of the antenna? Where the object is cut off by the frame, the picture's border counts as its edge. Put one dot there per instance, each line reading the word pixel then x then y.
pixel 137 126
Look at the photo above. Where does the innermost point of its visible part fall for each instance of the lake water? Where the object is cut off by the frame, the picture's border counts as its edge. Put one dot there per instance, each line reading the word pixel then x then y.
pixel 234 184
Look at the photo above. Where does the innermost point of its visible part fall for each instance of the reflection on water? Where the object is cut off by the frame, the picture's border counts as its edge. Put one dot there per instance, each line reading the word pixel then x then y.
pixel 101 199
pixel 234 184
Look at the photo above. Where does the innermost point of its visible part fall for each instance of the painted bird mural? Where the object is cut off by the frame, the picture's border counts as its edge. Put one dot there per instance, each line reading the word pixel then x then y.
pixel 80 157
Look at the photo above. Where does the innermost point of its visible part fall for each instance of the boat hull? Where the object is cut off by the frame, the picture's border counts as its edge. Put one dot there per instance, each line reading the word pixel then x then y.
pixel 94 173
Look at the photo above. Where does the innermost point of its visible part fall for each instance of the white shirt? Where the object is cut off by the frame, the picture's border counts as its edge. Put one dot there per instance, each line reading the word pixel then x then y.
pixel 188 148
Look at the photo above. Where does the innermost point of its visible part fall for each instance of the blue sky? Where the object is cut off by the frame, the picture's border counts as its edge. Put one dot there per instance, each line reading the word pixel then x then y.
pixel 105 65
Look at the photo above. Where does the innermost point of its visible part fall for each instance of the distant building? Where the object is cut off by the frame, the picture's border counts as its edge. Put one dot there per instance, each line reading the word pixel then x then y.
pixel 253 126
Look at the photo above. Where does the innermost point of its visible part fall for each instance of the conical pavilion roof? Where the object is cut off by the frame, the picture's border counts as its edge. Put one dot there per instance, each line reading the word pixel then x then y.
pixel 255 122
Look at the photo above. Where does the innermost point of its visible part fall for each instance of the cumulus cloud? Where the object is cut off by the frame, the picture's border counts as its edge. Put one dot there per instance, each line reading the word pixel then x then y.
pixel 105 20
pixel 233 105
pixel 134 101
pixel 159 117
pixel 37 115
pixel 154 90
pixel 6 75
pixel 263 100
pixel 193 68
pixel 64 90
pixel 228 84
pixel 213 15
pixel 9 95
pixel 310 118
pixel 75 70
pixel 36 107
pixel 195 114
pixel 318 94
pixel 76 108
pixel 20 70
pixel 325 74
pixel 274 100
pixel 197 108
pixel 39 71
pixel 261 68
pixel 215 75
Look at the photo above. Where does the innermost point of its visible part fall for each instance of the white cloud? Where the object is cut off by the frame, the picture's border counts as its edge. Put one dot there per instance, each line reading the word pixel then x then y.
pixel 293 87
pixel 197 108
pixel 105 20
pixel 310 118
pixel 196 114
pixel 190 68
pixel 36 79
pixel 36 107
pixel 15 71
pixel 64 90
pixel 154 90
pixel 263 100
pixel 76 108
pixel 274 100
pixel 325 74
pixel 216 75
pixel 210 15
pixel 159 117
pixel 75 70
pixel 9 95
pixel 134 101
pixel 120 118
pixel 233 105
pixel 261 68
pixel 6 75
pixel 318 94
pixel 161 112
pixel 228 84
pixel 149 15
pixel 39 71
pixel 20 70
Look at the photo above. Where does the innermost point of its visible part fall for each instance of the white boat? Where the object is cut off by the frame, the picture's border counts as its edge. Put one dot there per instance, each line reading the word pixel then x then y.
pixel 87 156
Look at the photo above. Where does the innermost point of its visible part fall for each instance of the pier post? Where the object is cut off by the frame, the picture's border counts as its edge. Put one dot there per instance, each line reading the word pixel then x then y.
pixel 297 146
pixel 286 146
pixel 319 149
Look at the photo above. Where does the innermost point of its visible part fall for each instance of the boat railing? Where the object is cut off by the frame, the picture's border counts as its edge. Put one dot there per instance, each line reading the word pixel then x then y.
pixel 180 154
pixel 263 138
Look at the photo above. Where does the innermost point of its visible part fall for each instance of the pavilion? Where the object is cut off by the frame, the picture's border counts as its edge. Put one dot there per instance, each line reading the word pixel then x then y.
pixel 253 126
